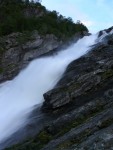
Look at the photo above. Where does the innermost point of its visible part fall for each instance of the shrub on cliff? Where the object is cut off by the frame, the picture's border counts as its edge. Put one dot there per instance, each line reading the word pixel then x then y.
pixel 19 16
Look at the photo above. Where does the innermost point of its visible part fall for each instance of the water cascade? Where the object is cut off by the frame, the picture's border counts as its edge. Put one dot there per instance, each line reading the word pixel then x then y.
pixel 18 96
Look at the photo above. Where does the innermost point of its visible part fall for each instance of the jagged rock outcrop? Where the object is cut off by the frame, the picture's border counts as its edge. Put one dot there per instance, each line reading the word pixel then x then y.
pixel 18 49
pixel 81 78
pixel 87 84
pixel 81 105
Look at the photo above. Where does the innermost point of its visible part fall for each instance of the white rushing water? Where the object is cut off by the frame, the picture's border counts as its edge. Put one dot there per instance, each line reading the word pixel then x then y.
pixel 17 97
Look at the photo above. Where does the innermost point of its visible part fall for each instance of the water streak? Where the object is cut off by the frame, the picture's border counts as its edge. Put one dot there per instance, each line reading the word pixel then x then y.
pixel 17 97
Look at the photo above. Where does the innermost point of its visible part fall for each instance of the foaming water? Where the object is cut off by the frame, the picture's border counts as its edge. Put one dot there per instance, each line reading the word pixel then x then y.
pixel 17 97
pixel 104 34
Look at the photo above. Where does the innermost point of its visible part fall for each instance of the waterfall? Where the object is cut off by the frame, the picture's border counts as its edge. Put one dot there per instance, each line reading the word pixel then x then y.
pixel 18 96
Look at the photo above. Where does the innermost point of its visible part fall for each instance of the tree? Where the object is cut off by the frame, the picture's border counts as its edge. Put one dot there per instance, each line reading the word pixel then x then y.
pixel 78 22
pixel 27 1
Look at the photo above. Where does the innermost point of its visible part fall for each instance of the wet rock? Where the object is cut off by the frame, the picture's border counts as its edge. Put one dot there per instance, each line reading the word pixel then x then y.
pixel 106 30
pixel 84 100
pixel 81 106
pixel 18 49
pixel 81 78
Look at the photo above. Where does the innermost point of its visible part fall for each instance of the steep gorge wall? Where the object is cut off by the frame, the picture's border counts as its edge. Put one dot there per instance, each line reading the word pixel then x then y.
pixel 81 104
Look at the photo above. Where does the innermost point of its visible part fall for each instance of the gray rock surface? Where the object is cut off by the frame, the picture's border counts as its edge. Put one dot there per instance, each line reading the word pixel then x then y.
pixel 85 98
pixel 17 50
pixel 81 106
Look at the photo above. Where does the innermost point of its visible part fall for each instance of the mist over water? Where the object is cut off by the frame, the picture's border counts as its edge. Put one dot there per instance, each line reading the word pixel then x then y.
pixel 18 96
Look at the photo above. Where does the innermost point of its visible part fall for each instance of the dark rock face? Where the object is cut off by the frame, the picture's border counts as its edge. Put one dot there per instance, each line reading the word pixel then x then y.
pixel 16 52
pixel 83 76
pixel 85 97
pixel 106 30
pixel 81 105
pixel 18 49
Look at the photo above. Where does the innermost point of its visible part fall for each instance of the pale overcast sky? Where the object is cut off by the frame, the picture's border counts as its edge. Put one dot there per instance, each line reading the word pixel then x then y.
pixel 95 14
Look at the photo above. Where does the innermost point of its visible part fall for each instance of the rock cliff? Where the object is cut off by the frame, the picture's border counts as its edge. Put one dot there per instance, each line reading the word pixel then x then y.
pixel 18 49
pixel 81 105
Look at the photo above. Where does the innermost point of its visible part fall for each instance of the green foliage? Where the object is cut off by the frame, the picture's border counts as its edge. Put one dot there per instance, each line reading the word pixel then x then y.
pixel 25 37
pixel 33 144
pixel 20 16
pixel 1 70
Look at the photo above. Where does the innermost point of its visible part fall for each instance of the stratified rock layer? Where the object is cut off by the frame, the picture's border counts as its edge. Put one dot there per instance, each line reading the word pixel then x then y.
pixel 18 49
pixel 81 105
pixel 85 94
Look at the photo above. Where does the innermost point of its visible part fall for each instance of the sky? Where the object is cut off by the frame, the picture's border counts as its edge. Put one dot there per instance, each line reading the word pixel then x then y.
pixel 95 14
